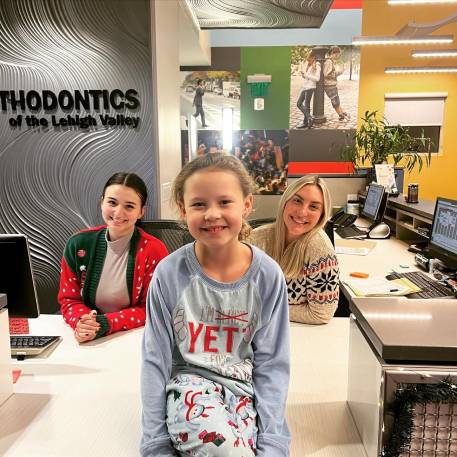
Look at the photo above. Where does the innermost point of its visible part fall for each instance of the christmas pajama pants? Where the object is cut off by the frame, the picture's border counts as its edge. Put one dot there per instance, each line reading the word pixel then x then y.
pixel 205 419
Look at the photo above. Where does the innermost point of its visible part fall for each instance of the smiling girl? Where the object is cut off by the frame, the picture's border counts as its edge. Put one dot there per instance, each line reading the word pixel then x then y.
pixel 216 343
pixel 106 270
pixel 299 244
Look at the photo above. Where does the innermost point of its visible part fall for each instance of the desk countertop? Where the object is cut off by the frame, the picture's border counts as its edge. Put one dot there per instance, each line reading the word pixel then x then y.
pixel 387 255
pixel 416 331
pixel 84 400
pixel 401 329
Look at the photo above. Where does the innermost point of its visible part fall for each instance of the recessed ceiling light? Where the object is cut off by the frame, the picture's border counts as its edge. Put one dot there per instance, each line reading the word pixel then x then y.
pixel 396 70
pixel 412 2
pixel 382 40
pixel 435 53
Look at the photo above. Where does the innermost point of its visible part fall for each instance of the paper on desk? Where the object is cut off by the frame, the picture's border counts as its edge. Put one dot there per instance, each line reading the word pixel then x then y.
pixel 354 247
pixel 377 287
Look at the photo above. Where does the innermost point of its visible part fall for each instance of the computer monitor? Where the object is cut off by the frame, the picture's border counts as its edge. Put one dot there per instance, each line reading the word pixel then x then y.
pixel 375 203
pixel 443 238
pixel 16 276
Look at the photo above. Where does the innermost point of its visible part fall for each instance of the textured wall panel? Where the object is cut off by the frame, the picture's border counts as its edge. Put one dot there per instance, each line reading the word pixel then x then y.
pixel 51 178
pixel 214 14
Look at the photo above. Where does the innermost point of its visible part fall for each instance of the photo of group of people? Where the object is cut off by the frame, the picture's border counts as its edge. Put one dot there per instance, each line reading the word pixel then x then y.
pixel 324 87
pixel 264 153
pixel 205 93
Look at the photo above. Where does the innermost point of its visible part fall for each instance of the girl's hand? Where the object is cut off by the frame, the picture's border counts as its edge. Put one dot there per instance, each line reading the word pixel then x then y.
pixel 87 327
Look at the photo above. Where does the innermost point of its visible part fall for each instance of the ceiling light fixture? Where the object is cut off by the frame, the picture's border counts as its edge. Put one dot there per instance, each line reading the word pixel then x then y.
pixel 403 70
pixel 435 53
pixel 382 40
pixel 412 33
pixel 412 2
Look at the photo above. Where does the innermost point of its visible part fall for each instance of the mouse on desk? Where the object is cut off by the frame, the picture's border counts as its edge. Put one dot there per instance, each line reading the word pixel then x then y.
pixel 392 276
pixel 379 232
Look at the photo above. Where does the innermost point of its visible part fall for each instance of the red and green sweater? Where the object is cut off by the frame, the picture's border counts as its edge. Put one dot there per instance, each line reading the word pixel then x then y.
pixel 82 264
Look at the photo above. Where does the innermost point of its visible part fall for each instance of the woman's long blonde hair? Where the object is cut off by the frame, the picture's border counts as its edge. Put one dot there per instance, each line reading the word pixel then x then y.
pixel 292 258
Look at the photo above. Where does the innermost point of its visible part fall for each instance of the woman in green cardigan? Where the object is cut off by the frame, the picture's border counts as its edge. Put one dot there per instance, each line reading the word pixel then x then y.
pixel 106 270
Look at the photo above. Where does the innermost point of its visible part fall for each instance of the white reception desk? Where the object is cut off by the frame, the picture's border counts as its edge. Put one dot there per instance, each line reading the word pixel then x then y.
pixel 84 400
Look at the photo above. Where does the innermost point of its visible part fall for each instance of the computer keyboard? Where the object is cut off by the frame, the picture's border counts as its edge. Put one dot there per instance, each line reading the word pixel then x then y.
pixel 351 231
pixel 24 345
pixel 430 287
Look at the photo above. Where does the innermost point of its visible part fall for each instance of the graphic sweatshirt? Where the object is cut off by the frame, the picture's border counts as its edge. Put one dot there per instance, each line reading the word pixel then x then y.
pixel 236 334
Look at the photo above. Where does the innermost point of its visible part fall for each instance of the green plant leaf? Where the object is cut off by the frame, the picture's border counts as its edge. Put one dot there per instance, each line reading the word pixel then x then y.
pixel 375 141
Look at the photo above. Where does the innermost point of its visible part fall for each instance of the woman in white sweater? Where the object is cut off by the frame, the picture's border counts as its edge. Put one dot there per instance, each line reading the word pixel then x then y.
pixel 311 73
pixel 299 244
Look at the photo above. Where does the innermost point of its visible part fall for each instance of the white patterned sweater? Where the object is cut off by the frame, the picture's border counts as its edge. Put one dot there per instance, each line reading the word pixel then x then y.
pixel 313 295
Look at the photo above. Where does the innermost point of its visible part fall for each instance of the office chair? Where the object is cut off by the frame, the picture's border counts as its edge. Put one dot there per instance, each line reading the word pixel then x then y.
pixel 173 234
pixel 254 223
pixel 329 230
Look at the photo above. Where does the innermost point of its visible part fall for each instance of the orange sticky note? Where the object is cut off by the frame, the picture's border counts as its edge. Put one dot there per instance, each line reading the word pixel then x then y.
pixel 357 274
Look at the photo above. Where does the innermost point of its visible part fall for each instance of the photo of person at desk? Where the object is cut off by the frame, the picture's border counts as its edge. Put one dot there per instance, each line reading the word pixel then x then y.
pixel 106 270
pixel 306 255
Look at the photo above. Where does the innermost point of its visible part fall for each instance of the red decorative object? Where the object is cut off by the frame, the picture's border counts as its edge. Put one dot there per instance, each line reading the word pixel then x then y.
pixel 303 168
pixel 19 326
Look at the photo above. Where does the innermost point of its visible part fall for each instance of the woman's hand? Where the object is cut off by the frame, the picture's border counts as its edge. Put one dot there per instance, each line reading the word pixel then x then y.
pixel 87 327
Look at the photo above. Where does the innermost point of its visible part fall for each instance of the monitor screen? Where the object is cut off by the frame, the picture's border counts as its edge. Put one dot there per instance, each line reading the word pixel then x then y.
pixel 16 277
pixel 443 239
pixel 372 209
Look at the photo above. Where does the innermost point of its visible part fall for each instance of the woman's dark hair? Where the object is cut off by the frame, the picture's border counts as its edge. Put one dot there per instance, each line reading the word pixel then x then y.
pixel 130 180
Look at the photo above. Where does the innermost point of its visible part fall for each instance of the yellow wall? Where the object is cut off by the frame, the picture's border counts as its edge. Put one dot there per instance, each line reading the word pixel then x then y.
pixel 381 19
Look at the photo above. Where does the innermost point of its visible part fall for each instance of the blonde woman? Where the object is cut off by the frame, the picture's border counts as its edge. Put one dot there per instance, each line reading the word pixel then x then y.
pixel 299 244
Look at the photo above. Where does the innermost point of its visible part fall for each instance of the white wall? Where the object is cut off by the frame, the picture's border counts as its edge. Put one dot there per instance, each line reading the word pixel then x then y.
pixel 165 79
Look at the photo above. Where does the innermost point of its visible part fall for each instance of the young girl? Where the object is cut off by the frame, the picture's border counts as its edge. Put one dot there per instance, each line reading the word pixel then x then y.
pixel 311 74
pixel 106 270
pixel 216 341
pixel 299 244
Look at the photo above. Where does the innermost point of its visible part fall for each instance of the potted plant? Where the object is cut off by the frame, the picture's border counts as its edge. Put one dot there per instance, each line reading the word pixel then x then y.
pixel 375 141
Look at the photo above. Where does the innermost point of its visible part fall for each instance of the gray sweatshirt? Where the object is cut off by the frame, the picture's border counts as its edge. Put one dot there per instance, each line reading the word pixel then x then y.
pixel 236 334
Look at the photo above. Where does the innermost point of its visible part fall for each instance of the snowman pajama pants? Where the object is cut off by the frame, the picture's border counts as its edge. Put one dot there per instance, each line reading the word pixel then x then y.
pixel 205 419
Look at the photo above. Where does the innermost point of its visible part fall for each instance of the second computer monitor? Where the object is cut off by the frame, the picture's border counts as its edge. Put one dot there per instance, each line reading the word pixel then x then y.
pixel 443 238
pixel 374 203
pixel 16 276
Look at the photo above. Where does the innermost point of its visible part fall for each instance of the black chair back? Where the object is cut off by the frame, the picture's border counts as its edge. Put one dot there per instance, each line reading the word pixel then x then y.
pixel 328 228
pixel 173 234
pixel 254 223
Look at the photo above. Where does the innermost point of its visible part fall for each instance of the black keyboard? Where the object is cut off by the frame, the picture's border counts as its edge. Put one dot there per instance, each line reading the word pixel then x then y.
pixel 430 287
pixel 23 345
pixel 351 231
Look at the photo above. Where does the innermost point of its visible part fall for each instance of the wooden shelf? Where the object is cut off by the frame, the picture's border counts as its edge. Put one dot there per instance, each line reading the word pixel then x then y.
pixel 404 218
